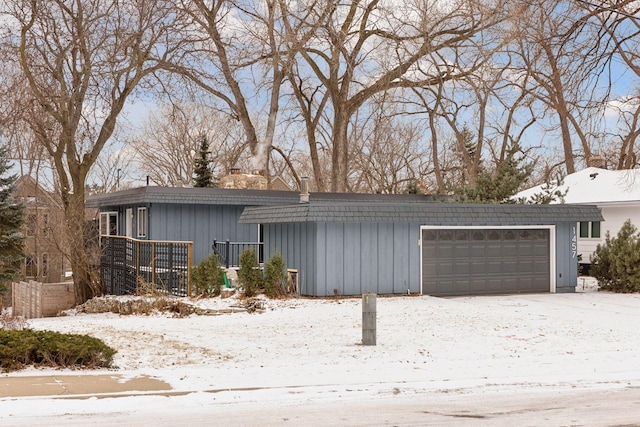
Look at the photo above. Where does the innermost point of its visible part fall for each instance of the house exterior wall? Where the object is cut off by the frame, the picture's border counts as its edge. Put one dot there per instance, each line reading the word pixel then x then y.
pixel 566 255
pixel 351 258
pixel 296 242
pixel 615 216
pixel 354 258
pixel 185 222
pixel 199 224
pixel 44 233
pixel 384 258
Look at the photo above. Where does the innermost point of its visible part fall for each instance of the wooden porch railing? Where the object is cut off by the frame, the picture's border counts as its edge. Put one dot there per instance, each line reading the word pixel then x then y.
pixel 126 262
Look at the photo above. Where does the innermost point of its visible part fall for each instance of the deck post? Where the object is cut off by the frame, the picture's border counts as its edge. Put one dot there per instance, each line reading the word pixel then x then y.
pixel 227 252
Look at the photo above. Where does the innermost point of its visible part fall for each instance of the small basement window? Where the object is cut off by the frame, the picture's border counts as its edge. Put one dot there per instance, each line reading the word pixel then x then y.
pixel 590 229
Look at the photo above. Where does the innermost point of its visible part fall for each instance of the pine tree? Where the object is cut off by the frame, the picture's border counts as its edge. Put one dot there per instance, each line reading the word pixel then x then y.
pixel 504 182
pixel 203 176
pixel 616 262
pixel 11 220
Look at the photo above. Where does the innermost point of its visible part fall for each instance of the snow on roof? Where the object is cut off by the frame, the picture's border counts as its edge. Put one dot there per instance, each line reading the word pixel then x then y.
pixel 595 185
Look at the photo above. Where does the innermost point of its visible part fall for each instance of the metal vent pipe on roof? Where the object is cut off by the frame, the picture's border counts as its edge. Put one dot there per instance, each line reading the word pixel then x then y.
pixel 304 189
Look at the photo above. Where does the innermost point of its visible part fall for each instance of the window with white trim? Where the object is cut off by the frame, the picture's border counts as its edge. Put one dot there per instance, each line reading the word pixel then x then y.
pixel 108 223
pixel 142 222
pixel 590 229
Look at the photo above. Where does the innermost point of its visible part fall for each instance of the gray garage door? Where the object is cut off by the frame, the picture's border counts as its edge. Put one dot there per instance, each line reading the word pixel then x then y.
pixel 486 261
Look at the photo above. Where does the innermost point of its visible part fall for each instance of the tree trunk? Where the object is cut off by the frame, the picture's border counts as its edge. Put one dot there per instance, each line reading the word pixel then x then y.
pixel 84 284
pixel 566 141
pixel 340 153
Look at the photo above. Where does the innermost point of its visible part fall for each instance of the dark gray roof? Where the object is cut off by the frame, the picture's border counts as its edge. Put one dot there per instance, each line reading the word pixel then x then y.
pixel 428 214
pixel 221 196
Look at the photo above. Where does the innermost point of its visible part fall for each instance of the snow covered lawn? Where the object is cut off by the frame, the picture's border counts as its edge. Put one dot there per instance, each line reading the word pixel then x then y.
pixel 309 350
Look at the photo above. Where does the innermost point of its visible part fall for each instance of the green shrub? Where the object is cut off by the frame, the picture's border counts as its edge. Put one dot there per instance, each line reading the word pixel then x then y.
pixel 274 276
pixel 249 273
pixel 20 348
pixel 208 277
pixel 616 263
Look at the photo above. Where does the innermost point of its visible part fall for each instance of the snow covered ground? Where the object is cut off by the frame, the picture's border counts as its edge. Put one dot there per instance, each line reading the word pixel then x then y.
pixel 552 359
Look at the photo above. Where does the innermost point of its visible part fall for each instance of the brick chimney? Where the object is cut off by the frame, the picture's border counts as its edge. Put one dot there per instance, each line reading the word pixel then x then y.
pixel 238 180
pixel 597 162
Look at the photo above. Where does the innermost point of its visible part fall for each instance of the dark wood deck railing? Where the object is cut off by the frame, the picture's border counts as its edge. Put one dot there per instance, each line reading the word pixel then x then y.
pixel 126 263
pixel 229 252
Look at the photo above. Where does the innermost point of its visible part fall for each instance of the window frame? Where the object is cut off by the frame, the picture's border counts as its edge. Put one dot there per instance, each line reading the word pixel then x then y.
pixel 106 228
pixel 142 222
pixel 590 229
pixel 30 266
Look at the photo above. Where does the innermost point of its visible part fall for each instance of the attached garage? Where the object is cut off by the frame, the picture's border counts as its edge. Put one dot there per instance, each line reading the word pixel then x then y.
pixel 483 261
pixel 433 248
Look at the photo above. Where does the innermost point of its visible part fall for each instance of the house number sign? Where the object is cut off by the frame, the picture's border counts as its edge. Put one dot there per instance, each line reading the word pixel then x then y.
pixel 574 242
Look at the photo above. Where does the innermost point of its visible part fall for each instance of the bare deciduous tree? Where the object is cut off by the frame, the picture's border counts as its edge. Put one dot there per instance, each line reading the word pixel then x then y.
pixel 168 144
pixel 82 60
pixel 387 154
pixel 566 57
pixel 364 48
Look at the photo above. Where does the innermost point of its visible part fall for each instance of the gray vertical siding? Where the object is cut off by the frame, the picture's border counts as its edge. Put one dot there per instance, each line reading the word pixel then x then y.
pixel 566 257
pixel 297 244
pixel 199 222
pixel 354 258
pixel 384 258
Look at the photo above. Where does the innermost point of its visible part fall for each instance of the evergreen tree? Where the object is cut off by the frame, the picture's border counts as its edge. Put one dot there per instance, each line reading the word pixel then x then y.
pixel 500 185
pixel 616 262
pixel 203 176
pixel 549 192
pixel 11 220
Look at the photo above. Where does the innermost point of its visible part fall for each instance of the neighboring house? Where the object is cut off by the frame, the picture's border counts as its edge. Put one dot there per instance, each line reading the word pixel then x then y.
pixel 44 233
pixel 346 244
pixel 615 192
pixel 439 249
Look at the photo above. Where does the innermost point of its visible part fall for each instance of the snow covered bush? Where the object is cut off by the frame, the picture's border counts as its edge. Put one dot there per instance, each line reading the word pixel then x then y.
pixel 19 349
pixel 616 263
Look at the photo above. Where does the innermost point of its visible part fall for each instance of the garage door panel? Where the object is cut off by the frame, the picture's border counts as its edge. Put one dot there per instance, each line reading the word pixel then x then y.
pixel 510 267
pixel 461 252
pixel 461 287
pixel 478 286
pixel 429 251
pixel 477 251
pixel 526 251
pixel 494 251
pixel 445 251
pixel 494 267
pixel 486 261
pixel 445 268
pixel 477 268
pixel 541 251
pixel 526 266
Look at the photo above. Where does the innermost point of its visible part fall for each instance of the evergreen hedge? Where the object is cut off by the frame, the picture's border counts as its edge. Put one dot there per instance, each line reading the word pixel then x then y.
pixel 208 276
pixel 275 276
pixel 616 263
pixel 249 273
pixel 20 348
